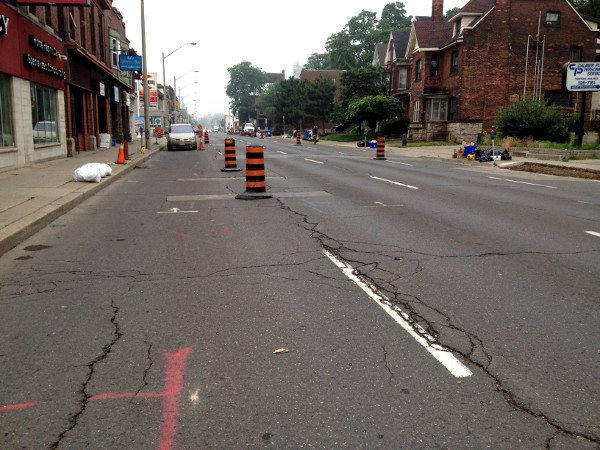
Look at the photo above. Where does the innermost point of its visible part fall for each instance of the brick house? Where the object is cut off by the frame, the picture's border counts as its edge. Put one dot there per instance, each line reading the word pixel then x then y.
pixel 460 72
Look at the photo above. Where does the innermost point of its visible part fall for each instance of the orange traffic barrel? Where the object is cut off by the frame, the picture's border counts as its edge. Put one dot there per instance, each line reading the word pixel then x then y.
pixel 230 160
pixel 380 148
pixel 206 138
pixel 298 138
pixel 256 186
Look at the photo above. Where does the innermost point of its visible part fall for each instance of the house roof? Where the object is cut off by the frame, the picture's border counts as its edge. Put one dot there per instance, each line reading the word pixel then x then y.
pixel 432 34
pixel 476 7
pixel 379 56
pixel 401 39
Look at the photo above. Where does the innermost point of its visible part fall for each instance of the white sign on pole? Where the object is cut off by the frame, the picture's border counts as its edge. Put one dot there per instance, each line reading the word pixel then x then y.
pixel 583 76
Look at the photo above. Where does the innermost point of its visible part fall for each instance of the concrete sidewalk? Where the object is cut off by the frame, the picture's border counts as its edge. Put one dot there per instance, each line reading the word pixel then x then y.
pixel 32 196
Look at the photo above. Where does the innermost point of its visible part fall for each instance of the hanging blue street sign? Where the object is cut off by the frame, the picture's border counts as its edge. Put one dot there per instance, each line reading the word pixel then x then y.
pixel 130 62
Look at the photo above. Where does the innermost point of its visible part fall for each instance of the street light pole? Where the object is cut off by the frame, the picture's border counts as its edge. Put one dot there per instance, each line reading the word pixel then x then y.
pixel 165 78
pixel 145 77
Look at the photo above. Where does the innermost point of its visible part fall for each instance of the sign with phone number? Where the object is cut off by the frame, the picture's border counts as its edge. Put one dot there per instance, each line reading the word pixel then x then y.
pixel 582 76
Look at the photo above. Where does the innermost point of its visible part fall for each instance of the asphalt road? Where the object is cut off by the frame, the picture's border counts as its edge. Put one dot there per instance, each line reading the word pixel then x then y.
pixel 421 303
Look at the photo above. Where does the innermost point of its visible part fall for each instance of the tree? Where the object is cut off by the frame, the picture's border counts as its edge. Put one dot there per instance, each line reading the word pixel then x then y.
pixel 318 61
pixel 362 82
pixel 532 118
pixel 451 12
pixel 374 109
pixel 353 46
pixel 320 100
pixel 393 17
pixel 245 82
pixel 285 99
pixel 587 7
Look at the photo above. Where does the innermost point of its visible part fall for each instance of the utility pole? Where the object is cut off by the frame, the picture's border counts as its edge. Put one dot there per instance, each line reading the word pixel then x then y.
pixel 145 76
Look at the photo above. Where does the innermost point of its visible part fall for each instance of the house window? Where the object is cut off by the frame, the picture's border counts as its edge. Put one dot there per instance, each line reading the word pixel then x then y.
pixel 43 114
pixel 402 78
pixel 435 66
pixel 436 109
pixel 558 98
pixel 451 108
pixel 552 18
pixel 6 121
pixel 417 111
pixel 115 50
pixel 419 69
pixel 576 54
pixel 454 63
pixel 457 27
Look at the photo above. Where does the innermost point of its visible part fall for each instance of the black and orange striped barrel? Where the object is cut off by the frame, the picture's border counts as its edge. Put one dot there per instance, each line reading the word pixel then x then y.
pixel 380 148
pixel 230 159
pixel 255 169
pixel 206 138
pixel 298 138
pixel 256 186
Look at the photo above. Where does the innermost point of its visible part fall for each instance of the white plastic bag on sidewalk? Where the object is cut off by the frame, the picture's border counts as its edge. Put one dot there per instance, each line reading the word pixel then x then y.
pixel 92 172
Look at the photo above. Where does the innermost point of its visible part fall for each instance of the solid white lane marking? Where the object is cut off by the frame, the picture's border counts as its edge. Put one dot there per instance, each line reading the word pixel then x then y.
pixel 394 182
pixel 380 205
pixel 396 162
pixel 523 182
pixel 444 356
pixel 312 160
pixel 593 233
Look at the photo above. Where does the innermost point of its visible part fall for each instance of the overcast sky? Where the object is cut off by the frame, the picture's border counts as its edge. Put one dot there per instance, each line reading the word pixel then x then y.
pixel 271 34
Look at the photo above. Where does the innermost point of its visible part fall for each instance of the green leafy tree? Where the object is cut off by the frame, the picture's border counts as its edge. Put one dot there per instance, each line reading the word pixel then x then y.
pixel 286 98
pixel 245 82
pixel 588 7
pixel 393 17
pixel 320 100
pixel 374 109
pixel 451 12
pixel 318 61
pixel 527 118
pixel 362 82
pixel 354 45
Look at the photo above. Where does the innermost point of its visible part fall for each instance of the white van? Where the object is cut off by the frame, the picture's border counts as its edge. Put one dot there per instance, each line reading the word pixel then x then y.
pixel 249 129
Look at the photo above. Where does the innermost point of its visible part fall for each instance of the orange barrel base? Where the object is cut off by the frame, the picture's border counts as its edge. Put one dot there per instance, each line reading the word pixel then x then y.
pixel 256 187
pixel 230 159
pixel 380 149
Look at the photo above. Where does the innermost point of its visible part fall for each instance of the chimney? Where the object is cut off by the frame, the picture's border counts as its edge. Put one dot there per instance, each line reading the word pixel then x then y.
pixel 437 10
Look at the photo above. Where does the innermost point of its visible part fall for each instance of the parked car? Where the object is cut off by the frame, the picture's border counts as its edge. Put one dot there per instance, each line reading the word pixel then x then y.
pixel 45 132
pixel 181 135
pixel 249 130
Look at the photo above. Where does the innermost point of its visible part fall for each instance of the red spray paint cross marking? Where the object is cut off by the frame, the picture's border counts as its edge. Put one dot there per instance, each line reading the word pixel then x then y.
pixel 20 406
pixel 173 384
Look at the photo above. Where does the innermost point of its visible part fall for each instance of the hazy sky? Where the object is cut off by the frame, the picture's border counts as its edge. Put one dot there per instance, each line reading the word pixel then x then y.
pixel 272 35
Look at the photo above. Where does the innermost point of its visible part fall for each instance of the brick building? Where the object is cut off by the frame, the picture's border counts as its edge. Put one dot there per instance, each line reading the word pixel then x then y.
pixel 460 72
pixel 32 84
pixel 73 70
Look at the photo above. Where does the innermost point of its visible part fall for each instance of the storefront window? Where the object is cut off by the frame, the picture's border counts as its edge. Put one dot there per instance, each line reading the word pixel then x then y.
pixel 6 122
pixel 43 114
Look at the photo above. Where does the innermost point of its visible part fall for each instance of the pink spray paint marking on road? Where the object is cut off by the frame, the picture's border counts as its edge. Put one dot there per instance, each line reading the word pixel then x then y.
pixel 19 406
pixel 172 393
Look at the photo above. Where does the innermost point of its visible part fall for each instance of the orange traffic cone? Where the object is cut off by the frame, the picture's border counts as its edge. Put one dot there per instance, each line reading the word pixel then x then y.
pixel 121 158
pixel 201 147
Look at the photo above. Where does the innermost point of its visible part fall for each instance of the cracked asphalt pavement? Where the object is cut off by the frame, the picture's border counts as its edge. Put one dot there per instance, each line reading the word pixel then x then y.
pixel 147 317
